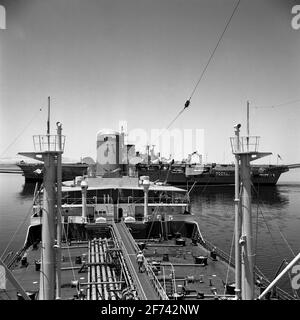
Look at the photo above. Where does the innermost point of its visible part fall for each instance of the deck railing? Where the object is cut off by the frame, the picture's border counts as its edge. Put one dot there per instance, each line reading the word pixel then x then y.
pixel 90 200
pixel 176 200
pixel 281 294
pixel 129 200
pixel 244 144
pixel 16 258
pixel 129 274
pixel 44 143
pixel 155 282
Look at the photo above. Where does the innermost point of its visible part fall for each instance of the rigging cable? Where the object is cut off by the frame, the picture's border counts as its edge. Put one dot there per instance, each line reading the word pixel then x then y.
pixel 281 234
pixel 212 54
pixel 256 233
pixel 293 253
pixel 265 221
pixel 19 135
pixel 69 253
pixel 285 240
pixel 20 226
pixel 278 105
pixel 188 102
pixel 274 242
pixel 230 256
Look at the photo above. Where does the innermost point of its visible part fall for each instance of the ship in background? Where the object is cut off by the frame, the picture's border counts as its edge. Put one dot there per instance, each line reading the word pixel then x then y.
pixel 34 171
pixel 184 173
pixel 117 158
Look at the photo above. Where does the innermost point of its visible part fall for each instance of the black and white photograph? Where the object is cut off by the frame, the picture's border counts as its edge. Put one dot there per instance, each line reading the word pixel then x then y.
pixel 149 151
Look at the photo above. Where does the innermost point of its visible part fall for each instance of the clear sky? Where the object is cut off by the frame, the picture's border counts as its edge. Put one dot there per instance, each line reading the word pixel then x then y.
pixel 103 61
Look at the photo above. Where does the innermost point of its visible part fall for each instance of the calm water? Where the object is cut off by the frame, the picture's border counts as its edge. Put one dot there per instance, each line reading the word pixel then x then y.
pixel 276 215
pixel 276 223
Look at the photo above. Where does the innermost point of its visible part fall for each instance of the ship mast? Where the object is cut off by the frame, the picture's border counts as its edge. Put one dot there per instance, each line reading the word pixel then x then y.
pixel 51 152
pixel 47 274
pixel 48 123
pixel 245 150
pixel 237 217
pixel 49 148
pixel 58 211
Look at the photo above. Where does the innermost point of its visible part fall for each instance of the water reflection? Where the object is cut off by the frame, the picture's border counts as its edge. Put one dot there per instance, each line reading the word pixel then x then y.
pixel 275 211
pixel 28 190
pixel 269 195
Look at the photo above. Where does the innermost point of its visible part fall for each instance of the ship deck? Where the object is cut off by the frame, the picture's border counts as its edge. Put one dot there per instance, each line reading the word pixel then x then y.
pixel 192 277
pixel 29 277
pixel 172 271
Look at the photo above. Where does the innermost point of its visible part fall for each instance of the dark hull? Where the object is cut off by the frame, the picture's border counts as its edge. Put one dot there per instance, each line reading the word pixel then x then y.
pixel 218 175
pixel 34 172
pixel 81 232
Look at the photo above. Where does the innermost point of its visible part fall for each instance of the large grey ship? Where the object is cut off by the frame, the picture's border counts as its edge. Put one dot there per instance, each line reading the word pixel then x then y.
pixel 208 174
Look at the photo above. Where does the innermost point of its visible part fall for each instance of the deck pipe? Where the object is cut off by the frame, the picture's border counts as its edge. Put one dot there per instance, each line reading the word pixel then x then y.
pixel 117 285
pixel 98 271
pixel 103 271
pixel 101 277
pixel 94 293
pixel 88 290
pixel 109 273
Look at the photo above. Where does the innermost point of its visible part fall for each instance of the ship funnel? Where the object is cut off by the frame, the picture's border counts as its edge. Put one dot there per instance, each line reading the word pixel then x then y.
pixel 110 151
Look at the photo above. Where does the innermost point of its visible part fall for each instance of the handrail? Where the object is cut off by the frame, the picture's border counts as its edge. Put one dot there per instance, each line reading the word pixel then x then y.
pixel 90 200
pixel 258 273
pixel 16 258
pixel 157 200
pixel 123 262
pixel 129 263
pixel 155 282
pixel 129 199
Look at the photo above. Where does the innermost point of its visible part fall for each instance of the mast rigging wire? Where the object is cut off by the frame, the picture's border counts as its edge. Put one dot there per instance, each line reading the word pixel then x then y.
pixel 265 221
pixel 19 135
pixel 274 242
pixel 278 105
pixel 213 52
pixel 228 267
pixel 286 242
pixel 20 226
pixel 188 101
pixel 281 234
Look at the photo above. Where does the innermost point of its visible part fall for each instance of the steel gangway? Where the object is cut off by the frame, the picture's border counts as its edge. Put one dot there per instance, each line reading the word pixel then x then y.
pixel 147 285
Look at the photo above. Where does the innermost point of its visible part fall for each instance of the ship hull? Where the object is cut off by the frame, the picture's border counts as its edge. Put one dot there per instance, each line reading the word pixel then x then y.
pixel 34 171
pixel 218 175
